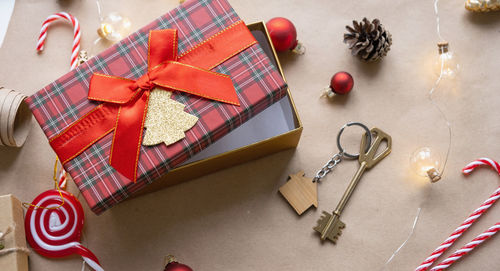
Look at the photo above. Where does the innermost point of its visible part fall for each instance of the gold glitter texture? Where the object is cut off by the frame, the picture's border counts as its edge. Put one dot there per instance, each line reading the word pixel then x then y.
pixel 166 120
pixel 482 5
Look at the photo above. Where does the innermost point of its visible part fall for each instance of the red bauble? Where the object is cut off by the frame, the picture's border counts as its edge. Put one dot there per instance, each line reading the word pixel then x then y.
pixel 341 83
pixel 283 34
pixel 175 266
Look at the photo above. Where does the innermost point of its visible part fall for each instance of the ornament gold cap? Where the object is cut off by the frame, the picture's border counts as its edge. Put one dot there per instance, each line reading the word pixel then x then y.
pixel 328 92
pixel 83 56
pixel 443 47
pixel 433 175
pixel 299 48
pixel 169 259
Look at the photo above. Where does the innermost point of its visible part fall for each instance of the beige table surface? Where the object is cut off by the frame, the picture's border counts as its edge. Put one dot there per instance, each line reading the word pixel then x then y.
pixel 234 219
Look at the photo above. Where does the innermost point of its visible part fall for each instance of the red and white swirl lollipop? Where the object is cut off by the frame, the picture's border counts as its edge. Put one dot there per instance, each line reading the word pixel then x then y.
pixel 54 225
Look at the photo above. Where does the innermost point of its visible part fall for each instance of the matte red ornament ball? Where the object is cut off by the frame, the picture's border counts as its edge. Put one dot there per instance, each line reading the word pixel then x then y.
pixel 175 266
pixel 341 83
pixel 283 34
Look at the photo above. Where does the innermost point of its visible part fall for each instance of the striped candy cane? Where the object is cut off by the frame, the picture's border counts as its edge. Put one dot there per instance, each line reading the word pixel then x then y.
pixel 74 56
pixel 470 220
pixel 76 34
pixel 467 248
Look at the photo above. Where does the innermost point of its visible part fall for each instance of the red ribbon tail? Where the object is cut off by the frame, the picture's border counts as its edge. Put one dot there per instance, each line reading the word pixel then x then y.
pixel 196 81
pixel 127 138
pixel 83 133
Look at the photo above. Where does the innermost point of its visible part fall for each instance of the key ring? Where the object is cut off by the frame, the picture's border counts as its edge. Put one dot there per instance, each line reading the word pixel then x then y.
pixel 368 136
pixel 337 158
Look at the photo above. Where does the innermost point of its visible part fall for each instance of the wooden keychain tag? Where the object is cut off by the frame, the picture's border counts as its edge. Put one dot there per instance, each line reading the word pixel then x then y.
pixel 301 192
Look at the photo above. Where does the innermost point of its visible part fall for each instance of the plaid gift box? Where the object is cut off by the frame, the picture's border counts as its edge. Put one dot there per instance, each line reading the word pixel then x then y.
pixel 60 104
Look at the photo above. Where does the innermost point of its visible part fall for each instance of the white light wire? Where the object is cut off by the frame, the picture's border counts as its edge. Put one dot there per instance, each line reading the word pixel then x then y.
pixel 436 10
pixel 101 18
pixel 448 124
pixel 434 87
pixel 99 10
pixel 404 243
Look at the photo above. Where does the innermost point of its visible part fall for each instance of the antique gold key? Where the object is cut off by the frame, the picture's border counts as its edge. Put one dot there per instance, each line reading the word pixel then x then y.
pixel 329 225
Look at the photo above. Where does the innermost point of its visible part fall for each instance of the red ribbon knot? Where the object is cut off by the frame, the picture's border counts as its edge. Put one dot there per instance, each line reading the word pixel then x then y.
pixel 144 83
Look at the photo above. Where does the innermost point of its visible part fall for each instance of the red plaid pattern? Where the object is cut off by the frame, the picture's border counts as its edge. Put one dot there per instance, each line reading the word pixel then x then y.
pixel 64 101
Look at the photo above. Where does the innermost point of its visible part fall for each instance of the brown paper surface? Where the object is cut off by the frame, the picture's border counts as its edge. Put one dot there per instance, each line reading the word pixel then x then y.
pixel 11 215
pixel 235 219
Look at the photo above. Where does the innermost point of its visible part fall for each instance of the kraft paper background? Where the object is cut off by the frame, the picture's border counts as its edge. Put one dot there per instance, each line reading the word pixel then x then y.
pixel 234 219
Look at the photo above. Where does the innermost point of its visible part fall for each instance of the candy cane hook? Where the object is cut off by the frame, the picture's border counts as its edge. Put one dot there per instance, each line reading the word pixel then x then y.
pixel 467 223
pixel 76 34
pixel 74 54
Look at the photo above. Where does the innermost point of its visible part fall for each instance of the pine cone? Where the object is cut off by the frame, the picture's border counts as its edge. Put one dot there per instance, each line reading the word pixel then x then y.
pixel 368 40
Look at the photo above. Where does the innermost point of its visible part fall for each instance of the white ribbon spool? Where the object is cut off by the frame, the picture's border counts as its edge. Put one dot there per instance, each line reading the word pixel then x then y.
pixel 15 118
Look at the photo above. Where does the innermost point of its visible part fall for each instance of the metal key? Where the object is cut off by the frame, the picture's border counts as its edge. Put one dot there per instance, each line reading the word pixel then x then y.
pixel 329 225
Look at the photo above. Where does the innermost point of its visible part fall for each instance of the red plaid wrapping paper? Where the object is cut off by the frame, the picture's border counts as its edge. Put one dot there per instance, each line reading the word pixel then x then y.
pixel 58 105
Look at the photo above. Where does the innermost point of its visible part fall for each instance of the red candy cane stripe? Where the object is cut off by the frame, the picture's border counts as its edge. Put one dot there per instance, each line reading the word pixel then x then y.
pixel 471 219
pixel 63 179
pixel 76 34
pixel 481 162
pixel 467 248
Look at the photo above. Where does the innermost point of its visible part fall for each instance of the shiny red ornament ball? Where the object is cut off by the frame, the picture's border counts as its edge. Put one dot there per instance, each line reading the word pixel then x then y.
pixel 175 266
pixel 341 83
pixel 283 34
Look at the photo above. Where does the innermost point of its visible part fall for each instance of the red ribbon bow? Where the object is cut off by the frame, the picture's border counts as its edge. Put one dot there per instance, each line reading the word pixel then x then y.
pixel 125 100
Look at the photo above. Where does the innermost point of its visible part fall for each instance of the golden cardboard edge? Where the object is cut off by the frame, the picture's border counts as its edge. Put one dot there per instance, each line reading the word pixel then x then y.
pixel 237 156
pixel 262 27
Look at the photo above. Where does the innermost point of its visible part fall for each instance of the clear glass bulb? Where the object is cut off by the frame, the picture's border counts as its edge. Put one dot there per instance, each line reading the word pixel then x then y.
pixel 426 163
pixel 446 62
pixel 114 27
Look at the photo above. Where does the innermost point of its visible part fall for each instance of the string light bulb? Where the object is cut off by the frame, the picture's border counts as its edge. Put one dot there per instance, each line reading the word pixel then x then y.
pixel 446 64
pixel 114 27
pixel 426 163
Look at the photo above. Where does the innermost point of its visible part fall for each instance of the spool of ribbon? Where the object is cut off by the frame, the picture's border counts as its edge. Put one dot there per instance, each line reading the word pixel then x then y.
pixel 53 224
pixel 15 118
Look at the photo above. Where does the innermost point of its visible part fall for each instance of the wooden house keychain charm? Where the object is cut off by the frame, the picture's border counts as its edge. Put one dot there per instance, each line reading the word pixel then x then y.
pixel 301 192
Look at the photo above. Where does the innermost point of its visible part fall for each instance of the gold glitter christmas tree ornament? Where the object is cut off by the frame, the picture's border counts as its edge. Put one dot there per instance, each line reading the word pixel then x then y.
pixel 482 5
pixel 166 120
